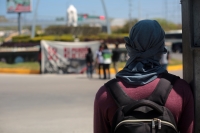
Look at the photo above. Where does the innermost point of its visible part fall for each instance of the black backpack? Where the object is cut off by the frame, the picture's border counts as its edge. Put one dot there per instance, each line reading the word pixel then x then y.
pixel 146 115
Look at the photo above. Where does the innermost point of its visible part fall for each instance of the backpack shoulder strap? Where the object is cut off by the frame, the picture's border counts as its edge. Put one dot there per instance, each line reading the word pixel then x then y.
pixel 158 96
pixel 163 88
pixel 120 97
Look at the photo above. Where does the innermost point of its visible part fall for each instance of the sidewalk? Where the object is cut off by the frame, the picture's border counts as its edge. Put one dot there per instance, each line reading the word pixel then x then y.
pixel 29 71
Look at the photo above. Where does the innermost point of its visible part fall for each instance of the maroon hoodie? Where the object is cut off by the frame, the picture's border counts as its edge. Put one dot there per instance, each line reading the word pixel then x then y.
pixel 180 102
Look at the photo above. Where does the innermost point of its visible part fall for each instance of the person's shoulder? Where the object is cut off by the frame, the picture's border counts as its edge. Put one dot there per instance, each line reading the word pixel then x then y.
pixel 182 83
pixel 101 94
pixel 182 87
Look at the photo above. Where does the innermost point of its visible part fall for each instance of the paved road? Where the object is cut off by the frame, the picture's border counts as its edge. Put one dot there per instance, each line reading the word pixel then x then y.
pixel 176 56
pixel 47 103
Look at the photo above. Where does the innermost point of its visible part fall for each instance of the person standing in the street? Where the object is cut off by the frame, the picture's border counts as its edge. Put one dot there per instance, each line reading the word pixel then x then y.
pixel 40 59
pixel 115 57
pixel 107 54
pixel 99 60
pixel 89 63
pixel 164 61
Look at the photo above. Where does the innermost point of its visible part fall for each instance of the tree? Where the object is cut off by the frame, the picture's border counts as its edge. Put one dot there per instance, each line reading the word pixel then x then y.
pixel 125 28
pixel 168 25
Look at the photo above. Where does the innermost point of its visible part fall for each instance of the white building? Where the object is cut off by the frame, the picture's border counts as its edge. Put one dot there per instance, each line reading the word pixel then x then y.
pixel 72 16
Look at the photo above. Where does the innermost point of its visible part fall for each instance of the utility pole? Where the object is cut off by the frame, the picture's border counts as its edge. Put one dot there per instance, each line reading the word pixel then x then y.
pixel 19 23
pixel 34 20
pixel 107 18
pixel 191 51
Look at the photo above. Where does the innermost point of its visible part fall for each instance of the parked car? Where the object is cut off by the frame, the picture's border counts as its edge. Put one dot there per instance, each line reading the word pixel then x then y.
pixel 173 39
pixel 176 47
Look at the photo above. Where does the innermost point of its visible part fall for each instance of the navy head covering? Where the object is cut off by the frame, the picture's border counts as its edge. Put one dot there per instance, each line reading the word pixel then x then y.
pixel 145 45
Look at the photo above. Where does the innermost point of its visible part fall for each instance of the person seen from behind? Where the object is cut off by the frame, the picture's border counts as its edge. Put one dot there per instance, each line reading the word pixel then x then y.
pixel 89 63
pixel 115 57
pixel 140 76
pixel 107 54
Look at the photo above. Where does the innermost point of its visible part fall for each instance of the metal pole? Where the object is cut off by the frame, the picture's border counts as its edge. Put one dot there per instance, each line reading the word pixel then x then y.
pixel 191 51
pixel 19 23
pixel 107 18
pixel 34 19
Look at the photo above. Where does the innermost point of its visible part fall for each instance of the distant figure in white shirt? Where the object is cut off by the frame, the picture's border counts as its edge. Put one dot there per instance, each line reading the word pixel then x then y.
pixel 107 57
pixel 164 61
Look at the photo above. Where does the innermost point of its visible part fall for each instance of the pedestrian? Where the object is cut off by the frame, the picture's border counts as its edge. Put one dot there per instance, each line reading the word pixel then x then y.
pixel 107 54
pixel 164 61
pixel 99 60
pixel 40 59
pixel 139 78
pixel 89 63
pixel 115 57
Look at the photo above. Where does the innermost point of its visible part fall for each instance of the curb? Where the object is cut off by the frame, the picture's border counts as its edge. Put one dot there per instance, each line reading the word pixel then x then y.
pixel 29 71
pixel 175 68
pixel 19 71
pixel 169 68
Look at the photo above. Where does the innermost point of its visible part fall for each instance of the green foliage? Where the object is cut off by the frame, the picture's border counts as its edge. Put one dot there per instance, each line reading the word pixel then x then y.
pixel 126 27
pixel 80 30
pixel 35 65
pixel 1 39
pixel 68 38
pixel 21 38
pixel 113 38
pixel 87 33
pixel 24 65
pixel 9 28
pixel 167 25
pixel 91 37
pixel 3 19
pixel 39 38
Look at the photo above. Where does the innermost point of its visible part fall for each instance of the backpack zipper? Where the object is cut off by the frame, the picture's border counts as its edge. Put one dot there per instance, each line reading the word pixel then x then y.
pixel 153 123
pixel 160 122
